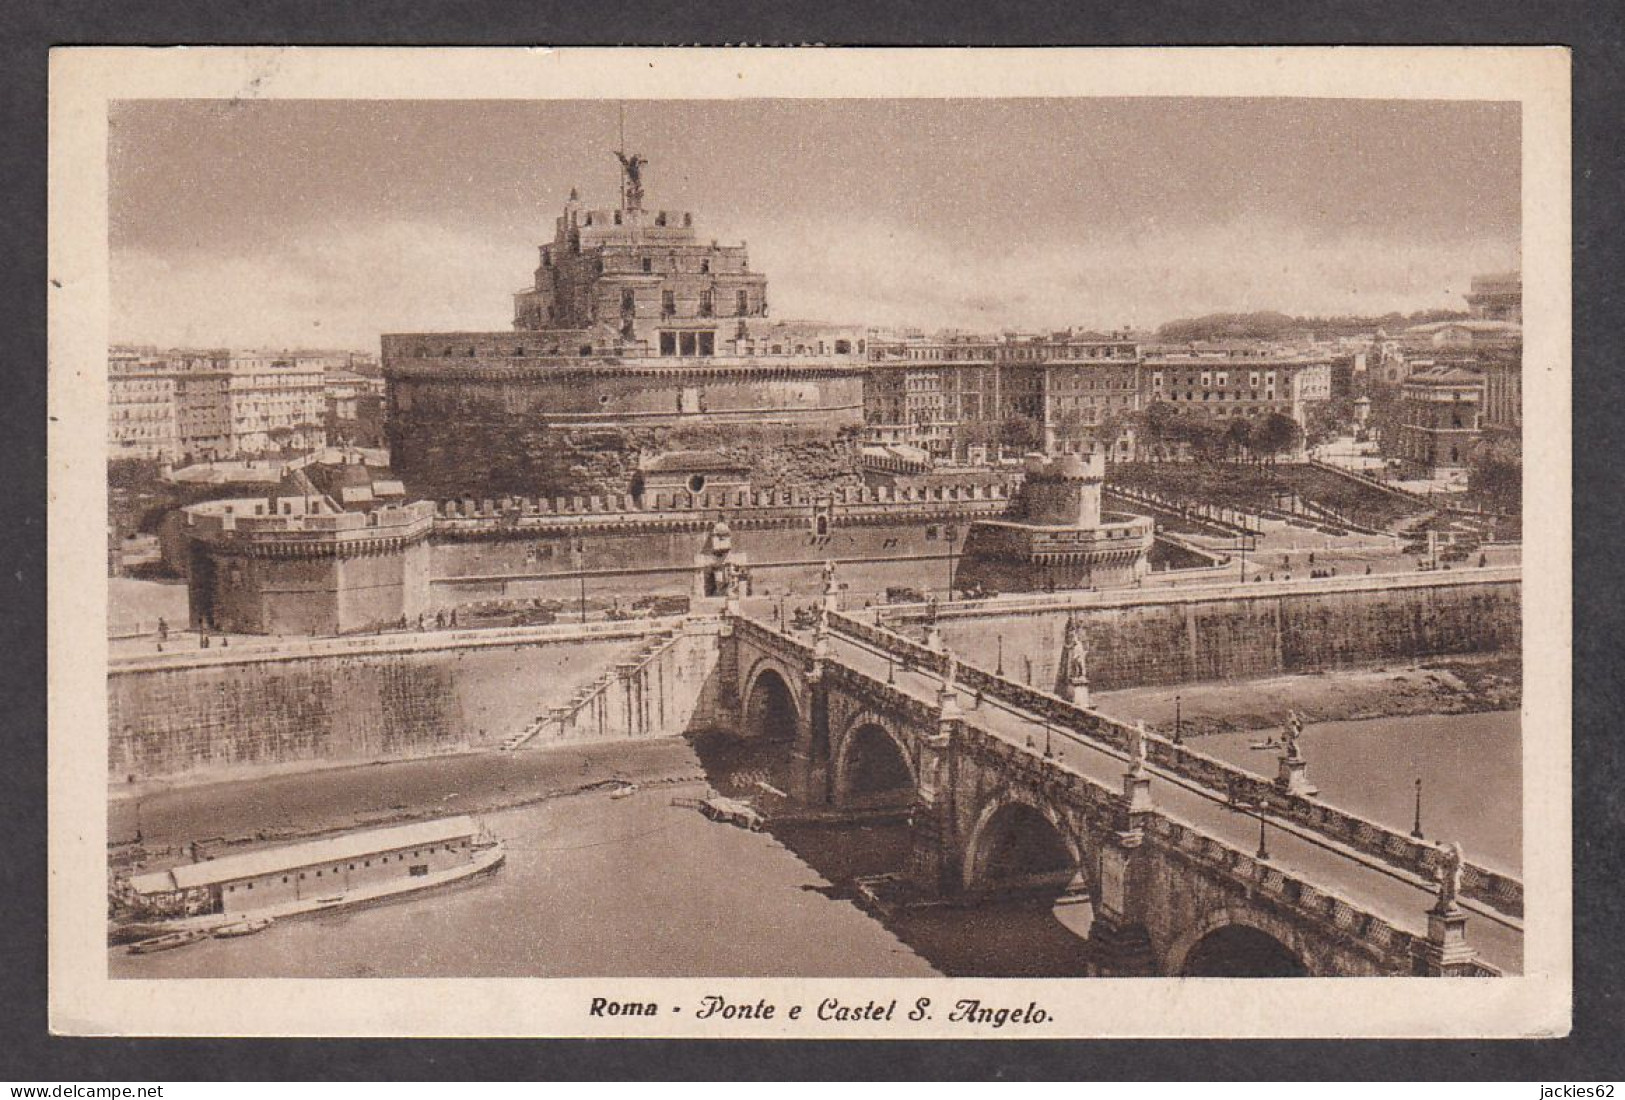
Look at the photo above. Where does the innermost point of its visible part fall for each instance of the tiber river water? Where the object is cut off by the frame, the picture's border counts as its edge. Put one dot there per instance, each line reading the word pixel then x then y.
pixel 595 886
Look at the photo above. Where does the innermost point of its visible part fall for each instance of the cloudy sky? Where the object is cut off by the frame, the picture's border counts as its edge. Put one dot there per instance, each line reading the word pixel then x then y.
pixel 294 223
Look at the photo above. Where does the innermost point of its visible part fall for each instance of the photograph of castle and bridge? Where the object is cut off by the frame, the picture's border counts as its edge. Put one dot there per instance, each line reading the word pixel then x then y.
pixel 797 538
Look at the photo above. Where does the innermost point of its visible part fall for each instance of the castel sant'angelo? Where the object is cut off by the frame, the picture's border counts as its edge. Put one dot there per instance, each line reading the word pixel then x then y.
pixel 636 338
pixel 644 429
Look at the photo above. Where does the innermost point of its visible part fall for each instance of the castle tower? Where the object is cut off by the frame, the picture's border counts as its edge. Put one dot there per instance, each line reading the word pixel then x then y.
pixel 1054 534
pixel 1072 678
pixel 633 327
pixel 645 274
pixel 1064 492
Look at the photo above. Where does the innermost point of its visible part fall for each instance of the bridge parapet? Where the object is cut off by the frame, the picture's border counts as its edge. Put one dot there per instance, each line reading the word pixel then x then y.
pixel 1375 936
pixel 886 696
pixel 1102 806
pixel 748 630
pixel 1420 857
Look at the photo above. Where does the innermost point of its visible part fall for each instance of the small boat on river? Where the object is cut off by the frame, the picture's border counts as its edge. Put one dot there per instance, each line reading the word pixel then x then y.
pixel 169 941
pixel 245 927
pixel 733 812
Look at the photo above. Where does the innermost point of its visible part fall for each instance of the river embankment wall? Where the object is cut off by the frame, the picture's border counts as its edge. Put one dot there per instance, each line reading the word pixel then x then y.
pixel 1175 636
pixel 205 719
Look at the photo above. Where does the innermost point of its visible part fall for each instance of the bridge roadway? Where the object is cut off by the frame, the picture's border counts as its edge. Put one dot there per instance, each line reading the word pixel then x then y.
pixel 1393 895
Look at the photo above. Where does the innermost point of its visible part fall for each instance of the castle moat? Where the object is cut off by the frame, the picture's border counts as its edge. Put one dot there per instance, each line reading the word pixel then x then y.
pixel 596 885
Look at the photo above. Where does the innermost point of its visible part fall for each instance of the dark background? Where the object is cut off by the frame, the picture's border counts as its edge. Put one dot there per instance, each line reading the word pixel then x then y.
pixel 1593 30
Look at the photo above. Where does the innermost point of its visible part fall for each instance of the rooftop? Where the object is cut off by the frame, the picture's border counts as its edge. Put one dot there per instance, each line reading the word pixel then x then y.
pixel 1469 325
pixel 1443 376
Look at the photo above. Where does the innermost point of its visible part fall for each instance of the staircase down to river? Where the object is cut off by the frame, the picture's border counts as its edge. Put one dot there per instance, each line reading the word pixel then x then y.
pixel 557 720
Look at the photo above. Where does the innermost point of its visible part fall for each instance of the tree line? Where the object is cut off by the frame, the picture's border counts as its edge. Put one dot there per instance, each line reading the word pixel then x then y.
pixel 1268 325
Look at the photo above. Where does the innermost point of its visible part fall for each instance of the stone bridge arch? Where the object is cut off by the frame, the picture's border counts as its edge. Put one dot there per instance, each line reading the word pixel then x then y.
pixel 1239 942
pixel 772 706
pixel 1021 842
pixel 875 767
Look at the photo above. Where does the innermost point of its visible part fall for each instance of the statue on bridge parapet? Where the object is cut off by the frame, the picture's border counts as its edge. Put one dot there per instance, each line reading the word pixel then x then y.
pixel 1293 731
pixel 1072 682
pixel 1137 780
pixel 821 644
pixel 1137 748
pixel 1449 875
pixel 832 588
pixel 933 629
pixel 1446 952
pixel 948 693
pixel 1292 777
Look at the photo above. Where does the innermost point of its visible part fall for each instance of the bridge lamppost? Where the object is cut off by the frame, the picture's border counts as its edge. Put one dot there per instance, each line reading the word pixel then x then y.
pixel 1179 732
pixel 1000 670
pixel 891 670
pixel 1237 801
pixel 581 574
pixel 1416 829
pixel 1047 752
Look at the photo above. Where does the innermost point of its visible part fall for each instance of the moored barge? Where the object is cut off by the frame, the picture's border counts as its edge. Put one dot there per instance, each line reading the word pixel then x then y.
pixel 330 873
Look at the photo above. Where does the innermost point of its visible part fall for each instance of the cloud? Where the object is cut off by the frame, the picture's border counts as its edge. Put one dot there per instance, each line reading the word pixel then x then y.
pixel 345 287
pixel 337 289
pixel 897 275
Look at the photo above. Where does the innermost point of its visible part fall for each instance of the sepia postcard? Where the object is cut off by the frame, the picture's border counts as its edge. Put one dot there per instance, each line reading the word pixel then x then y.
pixel 810 543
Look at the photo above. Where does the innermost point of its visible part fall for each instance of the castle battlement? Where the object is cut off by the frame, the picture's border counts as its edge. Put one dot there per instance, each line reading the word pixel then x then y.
pixel 844 504
pixel 254 525
pixel 1065 468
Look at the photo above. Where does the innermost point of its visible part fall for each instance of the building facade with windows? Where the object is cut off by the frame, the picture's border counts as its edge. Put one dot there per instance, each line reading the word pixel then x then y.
pixel 276 400
pixel 935 395
pixel 1440 410
pixel 958 397
pixel 1236 383
pixel 1503 392
pixel 142 420
pixel 213 404
pixel 1081 388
